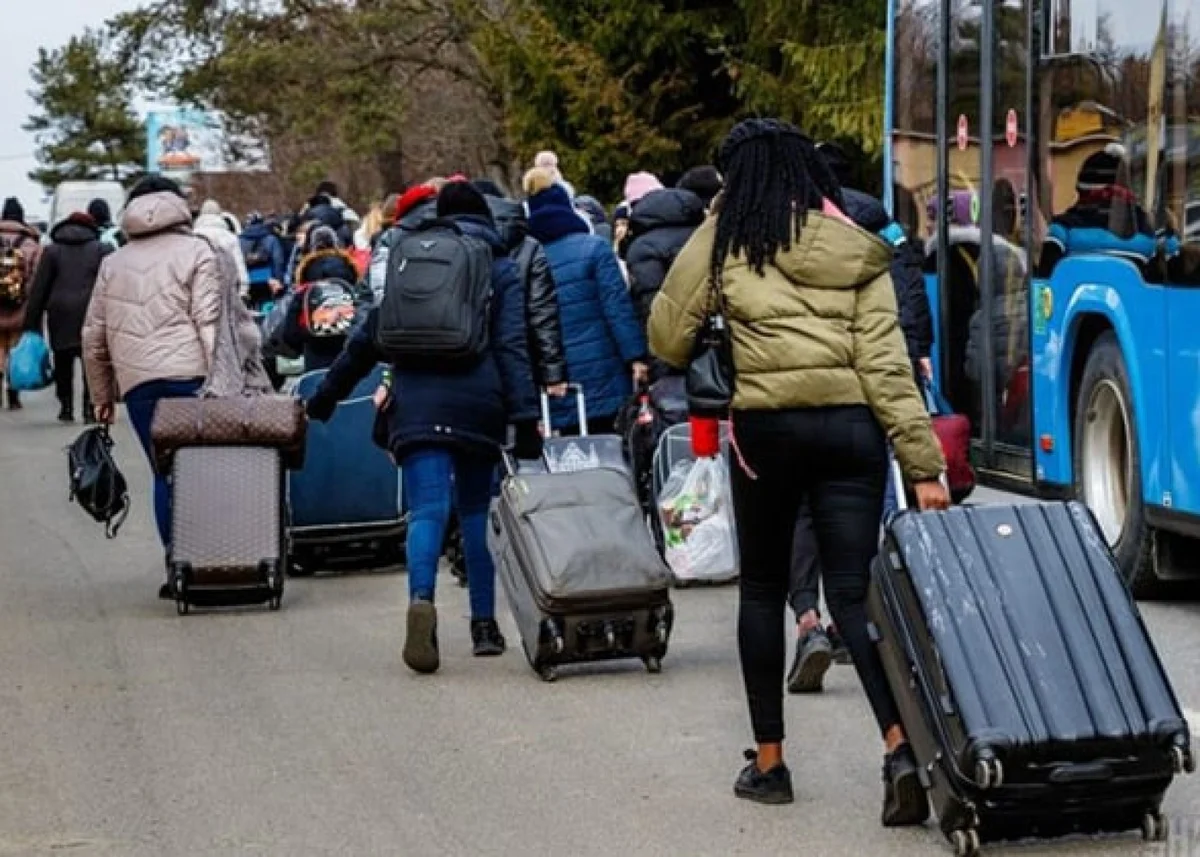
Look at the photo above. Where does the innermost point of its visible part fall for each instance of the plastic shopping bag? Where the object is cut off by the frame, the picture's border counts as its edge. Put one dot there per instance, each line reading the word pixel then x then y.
pixel 29 365
pixel 697 522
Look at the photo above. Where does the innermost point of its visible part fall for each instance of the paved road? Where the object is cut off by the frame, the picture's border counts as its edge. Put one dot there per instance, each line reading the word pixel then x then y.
pixel 125 730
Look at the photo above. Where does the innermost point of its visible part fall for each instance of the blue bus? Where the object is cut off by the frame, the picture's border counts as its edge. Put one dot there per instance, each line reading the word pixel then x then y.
pixel 1043 150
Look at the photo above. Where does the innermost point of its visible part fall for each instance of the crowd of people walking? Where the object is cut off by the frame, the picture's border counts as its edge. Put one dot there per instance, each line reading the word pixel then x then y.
pixel 828 330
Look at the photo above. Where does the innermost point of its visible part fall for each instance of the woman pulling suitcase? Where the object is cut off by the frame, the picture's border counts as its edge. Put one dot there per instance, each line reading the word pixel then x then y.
pixel 821 381
pixel 446 426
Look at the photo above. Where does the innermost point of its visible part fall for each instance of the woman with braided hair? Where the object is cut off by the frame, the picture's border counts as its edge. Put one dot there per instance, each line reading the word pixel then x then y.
pixel 822 381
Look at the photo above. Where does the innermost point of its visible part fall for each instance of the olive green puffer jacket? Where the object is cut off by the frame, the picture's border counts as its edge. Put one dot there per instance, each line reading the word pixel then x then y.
pixel 818 329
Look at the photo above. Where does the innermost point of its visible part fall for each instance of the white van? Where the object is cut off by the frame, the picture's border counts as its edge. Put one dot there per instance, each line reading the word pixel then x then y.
pixel 75 196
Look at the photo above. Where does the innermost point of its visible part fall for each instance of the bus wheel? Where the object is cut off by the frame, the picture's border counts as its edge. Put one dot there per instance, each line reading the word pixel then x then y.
pixel 1108 476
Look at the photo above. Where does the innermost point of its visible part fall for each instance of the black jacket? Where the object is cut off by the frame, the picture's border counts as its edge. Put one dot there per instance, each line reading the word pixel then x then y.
pixel 63 282
pixel 541 300
pixel 659 225
pixel 908 278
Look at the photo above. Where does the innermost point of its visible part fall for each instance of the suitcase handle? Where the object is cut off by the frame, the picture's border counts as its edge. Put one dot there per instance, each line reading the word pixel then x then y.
pixel 897 477
pixel 580 406
pixel 1083 772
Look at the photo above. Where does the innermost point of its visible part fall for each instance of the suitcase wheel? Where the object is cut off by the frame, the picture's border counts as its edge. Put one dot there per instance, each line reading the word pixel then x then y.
pixel 653 664
pixel 989 773
pixel 1155 827
pixel 965 842
pixel 548 672
pixel 1183 760
pixel 179 578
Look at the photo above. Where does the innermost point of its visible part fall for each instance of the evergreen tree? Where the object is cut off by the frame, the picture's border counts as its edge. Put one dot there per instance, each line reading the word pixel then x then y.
pixel 85 125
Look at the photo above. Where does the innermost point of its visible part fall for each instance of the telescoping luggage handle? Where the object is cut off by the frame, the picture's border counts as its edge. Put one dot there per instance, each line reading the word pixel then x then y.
pixel 897 477
pixel 510 462
pixel 580 406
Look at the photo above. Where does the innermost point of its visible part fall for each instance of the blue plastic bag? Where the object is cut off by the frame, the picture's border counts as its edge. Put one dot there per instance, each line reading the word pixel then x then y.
pixel 29 366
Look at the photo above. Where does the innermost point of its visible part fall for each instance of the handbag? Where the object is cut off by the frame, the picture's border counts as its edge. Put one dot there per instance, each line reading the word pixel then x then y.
pixel 709 377
pixel 274 421
pixel 96 482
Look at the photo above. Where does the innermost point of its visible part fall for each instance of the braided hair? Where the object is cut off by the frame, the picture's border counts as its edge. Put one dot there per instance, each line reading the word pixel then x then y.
pixel 773 177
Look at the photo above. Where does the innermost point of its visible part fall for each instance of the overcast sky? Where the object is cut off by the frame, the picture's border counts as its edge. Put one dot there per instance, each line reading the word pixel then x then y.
pixel 38 23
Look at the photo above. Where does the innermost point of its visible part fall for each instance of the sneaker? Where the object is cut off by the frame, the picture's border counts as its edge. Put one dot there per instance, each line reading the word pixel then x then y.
pixel 813 656
pixel 841 654
pixel 14 400
pixel 65 415
pixel 772 787
pixel 166 593
pixel 485 634
pixel 905 803
pixel 89 415
pixel 420 639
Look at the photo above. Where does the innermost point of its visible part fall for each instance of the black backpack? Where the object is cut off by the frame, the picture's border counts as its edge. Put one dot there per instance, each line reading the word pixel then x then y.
pixel 96 483
pixel 437 299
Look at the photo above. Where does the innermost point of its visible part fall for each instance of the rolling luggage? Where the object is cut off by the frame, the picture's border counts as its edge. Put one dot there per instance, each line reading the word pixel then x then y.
pixel 1032 695
pixel 579 568
pixel 344 504
pixel 225 459
pixel 228 541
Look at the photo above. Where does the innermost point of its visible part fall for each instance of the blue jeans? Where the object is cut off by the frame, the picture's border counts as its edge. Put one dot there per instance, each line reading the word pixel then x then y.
pixel 434 480
pixel 140 402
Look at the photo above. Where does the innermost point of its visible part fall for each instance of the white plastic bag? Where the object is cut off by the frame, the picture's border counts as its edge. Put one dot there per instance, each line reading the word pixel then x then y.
pixel 697 522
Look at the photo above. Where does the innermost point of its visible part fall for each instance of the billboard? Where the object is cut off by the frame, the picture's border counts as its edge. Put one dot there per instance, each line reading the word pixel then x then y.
pixel 181 142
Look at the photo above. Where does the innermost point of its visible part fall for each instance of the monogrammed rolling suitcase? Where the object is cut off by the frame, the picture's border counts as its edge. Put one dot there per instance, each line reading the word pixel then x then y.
pixel 228 539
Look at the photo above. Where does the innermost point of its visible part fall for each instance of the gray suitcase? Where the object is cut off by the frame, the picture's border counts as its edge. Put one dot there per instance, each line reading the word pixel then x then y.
pixel 580 569
pixel 228 540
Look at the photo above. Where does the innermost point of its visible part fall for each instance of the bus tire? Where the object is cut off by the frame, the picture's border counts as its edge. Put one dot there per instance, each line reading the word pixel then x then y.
pixel 1107 464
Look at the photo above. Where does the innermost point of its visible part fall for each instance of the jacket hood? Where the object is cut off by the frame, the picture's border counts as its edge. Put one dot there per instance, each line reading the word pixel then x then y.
pixel 212 223
pixel 154 213
pixel 865 210
pixel 666 208
pixel 72 231
pixel 13 227
pixel 480 228
pixel 310 259
pixel 511 223
pixel 326 215
pixel 257 230
pixel 832 254
pixel 418 214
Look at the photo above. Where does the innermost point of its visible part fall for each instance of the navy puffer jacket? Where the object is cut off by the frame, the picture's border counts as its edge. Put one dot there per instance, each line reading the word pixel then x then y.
pixel 660 224
pixel 467 411
pixel 601 332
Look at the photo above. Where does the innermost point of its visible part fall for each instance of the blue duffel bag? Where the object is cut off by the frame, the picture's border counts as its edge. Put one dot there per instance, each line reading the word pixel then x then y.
pixel 29 366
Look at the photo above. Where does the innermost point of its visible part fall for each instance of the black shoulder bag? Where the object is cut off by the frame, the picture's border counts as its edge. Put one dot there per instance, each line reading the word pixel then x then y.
pixel 97 485
pixel 709 380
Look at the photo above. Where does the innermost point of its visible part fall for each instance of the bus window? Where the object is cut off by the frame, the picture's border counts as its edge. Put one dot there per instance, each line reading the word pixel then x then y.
pixel 1103 148
pixel 1180 205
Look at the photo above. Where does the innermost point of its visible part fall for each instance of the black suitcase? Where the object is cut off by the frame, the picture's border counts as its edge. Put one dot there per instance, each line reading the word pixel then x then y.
pixel 579 569
pixel 1030 690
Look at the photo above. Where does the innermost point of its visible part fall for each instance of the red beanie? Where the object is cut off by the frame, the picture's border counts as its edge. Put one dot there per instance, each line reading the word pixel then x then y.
pixel 413 197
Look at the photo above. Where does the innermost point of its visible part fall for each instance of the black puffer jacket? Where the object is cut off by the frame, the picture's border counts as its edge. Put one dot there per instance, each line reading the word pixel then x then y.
pixel 541 301
pixel 660 224
pixel 63 282
pixel 916 320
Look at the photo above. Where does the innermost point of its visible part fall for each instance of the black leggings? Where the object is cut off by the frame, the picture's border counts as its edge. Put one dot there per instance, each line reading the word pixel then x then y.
pixel 836 460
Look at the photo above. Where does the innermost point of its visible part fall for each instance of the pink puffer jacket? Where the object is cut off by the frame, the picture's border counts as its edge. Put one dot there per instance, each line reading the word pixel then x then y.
pixel 157 302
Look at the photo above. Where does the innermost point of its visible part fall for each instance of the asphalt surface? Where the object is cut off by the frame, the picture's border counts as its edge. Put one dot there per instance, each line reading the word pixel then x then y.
pixel 126 730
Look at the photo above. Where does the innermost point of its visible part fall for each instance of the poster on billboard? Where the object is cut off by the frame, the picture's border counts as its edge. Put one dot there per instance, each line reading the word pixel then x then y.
pixel 181 142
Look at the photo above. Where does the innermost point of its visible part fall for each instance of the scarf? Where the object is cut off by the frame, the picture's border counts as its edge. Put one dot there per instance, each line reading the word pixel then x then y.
pixel 237 364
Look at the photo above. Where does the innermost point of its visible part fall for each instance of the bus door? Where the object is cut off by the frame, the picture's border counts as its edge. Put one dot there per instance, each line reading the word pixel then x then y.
pixel 983 334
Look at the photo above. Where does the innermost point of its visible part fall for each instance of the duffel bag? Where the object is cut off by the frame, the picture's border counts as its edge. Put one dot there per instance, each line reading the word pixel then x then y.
pixel 274 421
